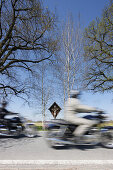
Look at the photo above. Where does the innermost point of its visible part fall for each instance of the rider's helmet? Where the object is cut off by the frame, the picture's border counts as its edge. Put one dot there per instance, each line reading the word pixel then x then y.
pixel 74 93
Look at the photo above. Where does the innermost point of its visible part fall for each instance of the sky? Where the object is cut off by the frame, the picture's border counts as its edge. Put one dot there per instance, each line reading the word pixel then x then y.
pixel 88 11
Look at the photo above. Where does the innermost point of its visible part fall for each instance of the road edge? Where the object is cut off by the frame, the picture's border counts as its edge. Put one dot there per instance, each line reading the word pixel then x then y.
pixel 56 162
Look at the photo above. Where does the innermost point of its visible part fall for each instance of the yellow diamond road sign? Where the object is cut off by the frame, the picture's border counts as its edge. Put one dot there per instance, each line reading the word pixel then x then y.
pixel 54 109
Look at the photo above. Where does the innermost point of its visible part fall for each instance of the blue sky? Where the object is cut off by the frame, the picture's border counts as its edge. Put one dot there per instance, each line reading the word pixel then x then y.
pixel 88 10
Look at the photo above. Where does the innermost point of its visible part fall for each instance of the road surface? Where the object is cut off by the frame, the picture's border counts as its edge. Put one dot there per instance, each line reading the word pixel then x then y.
pixel 36 150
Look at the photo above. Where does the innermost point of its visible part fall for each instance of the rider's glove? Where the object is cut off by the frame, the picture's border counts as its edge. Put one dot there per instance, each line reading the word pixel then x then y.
pixel 101 111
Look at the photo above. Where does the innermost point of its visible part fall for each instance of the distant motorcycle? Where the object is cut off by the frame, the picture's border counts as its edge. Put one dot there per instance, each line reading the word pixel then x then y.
pixel 15 125
pixel 60 133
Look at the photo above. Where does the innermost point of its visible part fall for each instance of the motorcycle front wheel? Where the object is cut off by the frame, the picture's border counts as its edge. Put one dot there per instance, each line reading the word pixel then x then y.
pixel 30 130
pixel 52 136
pixel 107 139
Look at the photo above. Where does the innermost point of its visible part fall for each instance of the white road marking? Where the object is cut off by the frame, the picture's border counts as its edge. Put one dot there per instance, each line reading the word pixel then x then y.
pixel 56 162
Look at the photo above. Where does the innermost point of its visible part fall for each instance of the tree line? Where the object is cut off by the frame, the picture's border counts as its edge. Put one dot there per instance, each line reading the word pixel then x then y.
pixel 36 56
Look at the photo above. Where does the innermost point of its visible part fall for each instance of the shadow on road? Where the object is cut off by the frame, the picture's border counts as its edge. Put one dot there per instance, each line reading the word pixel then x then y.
pixel 81 147
pixel 18 137
pixel 87 147
pixel 10 141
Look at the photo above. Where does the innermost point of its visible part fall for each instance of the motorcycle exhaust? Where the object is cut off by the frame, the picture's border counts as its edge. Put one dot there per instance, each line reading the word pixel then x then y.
pixel 3 129
pixel 87 140
pixel 4 134
pixel 61 141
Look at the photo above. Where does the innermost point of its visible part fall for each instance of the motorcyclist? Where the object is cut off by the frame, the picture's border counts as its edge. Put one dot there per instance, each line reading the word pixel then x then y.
pixel 4 112
pixel 72 107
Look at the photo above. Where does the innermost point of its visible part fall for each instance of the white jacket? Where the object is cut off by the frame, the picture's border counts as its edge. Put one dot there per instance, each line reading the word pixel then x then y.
pixel 73 106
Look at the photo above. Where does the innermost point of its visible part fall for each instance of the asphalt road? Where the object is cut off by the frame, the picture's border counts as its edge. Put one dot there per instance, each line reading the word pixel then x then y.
pixel 36 149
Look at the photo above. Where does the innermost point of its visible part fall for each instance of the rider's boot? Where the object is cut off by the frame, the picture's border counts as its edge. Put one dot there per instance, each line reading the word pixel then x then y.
pixel 77 139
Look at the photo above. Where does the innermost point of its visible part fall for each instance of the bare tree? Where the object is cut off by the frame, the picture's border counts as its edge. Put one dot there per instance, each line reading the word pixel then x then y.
pixel 98 47
pixel 43 89
pixel 46 90
pixel 71 60
pixel 26 31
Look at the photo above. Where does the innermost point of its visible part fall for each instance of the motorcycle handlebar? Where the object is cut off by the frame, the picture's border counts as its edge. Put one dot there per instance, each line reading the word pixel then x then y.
pixel 101 112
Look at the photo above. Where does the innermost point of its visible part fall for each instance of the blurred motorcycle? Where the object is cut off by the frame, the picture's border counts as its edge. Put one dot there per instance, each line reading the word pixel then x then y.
pixel 60 133
pixel 15 125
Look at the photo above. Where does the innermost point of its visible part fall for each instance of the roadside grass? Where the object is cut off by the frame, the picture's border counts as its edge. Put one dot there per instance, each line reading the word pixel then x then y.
pixel 40 126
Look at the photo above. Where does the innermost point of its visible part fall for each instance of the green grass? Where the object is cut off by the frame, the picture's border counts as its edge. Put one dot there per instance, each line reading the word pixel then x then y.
pixel 40 128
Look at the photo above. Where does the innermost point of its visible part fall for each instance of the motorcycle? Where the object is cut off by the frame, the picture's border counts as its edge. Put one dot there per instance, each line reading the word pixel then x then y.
pixel 15 125
pixel 60 133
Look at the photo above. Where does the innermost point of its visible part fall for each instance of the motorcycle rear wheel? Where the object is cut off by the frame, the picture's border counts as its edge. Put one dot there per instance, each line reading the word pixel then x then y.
pixel 107 139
